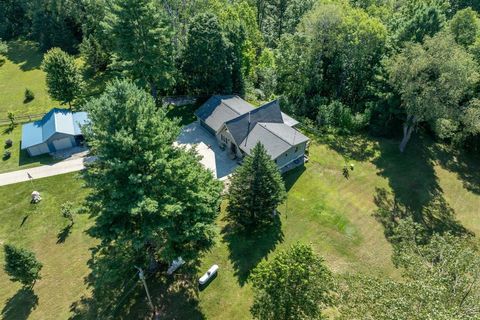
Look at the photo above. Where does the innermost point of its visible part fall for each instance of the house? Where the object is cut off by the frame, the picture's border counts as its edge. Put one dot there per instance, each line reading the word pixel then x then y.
pixel 59 129
pixel 239 126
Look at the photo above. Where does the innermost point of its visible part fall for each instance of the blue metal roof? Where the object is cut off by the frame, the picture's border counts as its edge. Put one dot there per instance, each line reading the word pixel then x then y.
pixel 55 121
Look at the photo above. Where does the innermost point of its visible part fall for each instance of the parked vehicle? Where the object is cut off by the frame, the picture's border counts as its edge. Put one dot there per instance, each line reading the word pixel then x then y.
pixel 208 275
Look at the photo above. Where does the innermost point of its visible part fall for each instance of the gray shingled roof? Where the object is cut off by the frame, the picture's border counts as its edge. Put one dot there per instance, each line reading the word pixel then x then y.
pixel 274 145
pixel 285 132
pixel 220 109
pixel 240 127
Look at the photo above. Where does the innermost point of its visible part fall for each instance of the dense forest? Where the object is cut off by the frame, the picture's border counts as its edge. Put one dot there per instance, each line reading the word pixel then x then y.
pixel 388 67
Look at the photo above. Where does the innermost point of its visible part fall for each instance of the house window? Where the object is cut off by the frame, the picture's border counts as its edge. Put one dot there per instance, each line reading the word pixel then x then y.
pixel 286 155
pixel 275 160
pixel 296 149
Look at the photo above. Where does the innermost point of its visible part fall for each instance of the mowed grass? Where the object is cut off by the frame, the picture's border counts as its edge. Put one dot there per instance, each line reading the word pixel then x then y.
pixel 39 227
pixel 324 209
pixel 21 71
pixel 19 159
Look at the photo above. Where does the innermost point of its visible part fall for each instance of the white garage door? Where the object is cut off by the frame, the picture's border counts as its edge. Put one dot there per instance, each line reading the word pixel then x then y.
pixel 62 143
pixel 40 149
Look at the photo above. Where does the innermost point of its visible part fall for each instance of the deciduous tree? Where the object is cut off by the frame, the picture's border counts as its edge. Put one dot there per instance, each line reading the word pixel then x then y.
pixel 433 80
pixel 294 284
pixel 64 79
pixel 441 280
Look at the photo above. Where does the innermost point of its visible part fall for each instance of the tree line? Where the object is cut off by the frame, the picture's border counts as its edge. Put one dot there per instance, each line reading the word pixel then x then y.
pixel 386 67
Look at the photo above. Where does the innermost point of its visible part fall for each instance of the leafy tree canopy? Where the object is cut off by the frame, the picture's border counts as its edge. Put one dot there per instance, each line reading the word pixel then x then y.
pixel 441 281
pixel 434 80
pixel 294 284
pixel 64 79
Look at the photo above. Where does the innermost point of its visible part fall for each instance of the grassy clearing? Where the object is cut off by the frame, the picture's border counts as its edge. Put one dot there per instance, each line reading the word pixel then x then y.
pixel 19 159
pixel 323 208
pixel 41 228
pixel 20 71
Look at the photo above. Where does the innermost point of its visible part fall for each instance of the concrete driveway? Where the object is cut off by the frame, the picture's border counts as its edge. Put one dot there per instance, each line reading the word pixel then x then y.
pixel 213 158
pixel 61 167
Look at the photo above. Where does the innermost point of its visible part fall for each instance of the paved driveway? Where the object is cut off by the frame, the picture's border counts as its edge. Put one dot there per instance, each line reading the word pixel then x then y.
pixel 213 157
pixel 61 167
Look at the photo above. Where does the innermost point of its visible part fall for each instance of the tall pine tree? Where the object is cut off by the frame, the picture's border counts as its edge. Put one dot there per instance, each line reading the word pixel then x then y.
pixel 147 194
pixel 256 190
pixel 142 42
pixel 206 58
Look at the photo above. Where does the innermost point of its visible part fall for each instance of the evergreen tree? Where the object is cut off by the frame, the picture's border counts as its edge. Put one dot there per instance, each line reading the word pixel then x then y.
pixel 141 40
pixel 22 265
pixel 14 19
pixel 95 55
pixel 295 284
pixel 256 190
pixel 55 24
pixel 205 62
pixel 147 194
pixel 64 79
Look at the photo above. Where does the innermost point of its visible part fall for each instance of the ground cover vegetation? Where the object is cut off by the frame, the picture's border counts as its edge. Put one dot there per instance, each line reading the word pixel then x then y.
pixel 402 70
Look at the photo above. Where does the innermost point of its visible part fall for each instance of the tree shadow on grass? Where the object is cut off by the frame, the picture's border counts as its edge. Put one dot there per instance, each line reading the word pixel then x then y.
pixel 173 297
pixel 355 147
pixel 291 177
pixel 410 175
pixel 64 233
pixel 26 54
pixel 436 217
pixel 464 164
pixel 117 293
pixel 20 305
pixel 247 249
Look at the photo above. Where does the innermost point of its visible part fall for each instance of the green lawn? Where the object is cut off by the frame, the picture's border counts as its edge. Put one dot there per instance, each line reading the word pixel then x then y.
pixel 323 208
pixel 39 227
pixel 19 159
pixel 20 71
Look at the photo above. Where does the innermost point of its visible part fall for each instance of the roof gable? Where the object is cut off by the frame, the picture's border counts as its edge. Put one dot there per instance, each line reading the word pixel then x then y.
pixel 274 145
pixel 55 121
pixel 240 127
pixel 220 109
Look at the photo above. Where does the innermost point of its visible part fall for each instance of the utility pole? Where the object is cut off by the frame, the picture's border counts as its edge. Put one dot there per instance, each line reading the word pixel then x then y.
pixel 141 275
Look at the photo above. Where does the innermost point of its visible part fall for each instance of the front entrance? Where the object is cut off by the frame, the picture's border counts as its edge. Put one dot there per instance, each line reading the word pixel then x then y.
pixel 233 148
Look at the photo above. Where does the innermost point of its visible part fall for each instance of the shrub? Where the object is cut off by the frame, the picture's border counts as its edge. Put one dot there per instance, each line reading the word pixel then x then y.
pixel 29 95
pixel 11 117
pixel 22 265
pixel 8 143
pixel 6 154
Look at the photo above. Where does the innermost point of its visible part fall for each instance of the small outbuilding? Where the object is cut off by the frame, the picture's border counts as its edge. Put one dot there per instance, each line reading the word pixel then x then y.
pixel 59 129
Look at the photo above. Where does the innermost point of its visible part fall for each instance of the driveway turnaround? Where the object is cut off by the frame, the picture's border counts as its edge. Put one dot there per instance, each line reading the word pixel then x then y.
pixel 213 158
pixel 61 167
